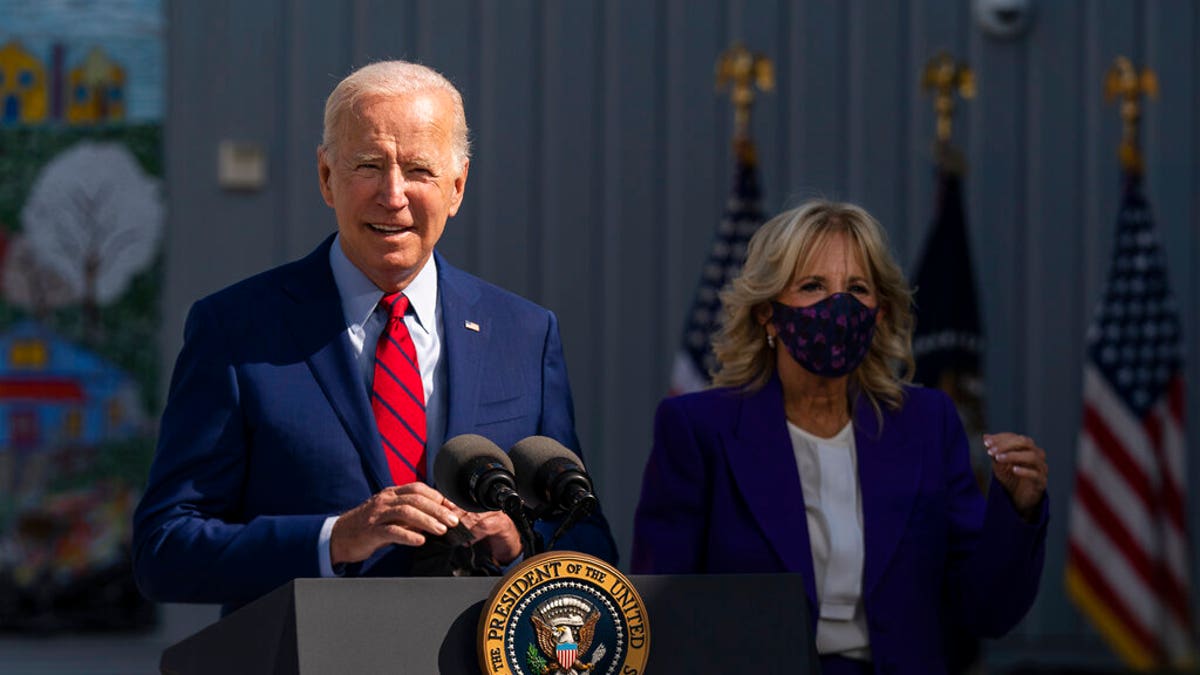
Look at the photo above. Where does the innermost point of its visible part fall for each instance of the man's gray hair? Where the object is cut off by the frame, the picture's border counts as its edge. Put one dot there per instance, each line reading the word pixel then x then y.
pixel 392 78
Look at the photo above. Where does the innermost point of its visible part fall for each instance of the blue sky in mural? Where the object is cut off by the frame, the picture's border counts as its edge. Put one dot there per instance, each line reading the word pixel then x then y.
pixel 130 31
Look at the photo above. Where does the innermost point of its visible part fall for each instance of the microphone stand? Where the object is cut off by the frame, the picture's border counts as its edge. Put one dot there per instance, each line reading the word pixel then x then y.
pixel 579 510
pixel 531 541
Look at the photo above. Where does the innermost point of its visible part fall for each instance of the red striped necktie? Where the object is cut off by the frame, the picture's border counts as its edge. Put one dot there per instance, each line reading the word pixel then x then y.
pixel 397 395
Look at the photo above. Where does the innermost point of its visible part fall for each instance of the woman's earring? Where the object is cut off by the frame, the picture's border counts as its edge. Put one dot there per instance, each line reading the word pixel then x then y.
pixel 770 341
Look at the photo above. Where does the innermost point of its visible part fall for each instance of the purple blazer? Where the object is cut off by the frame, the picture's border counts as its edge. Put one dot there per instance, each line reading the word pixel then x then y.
pixel 721 494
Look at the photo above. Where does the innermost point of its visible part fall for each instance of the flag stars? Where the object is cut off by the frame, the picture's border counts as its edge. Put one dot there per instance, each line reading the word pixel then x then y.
pixel 1141 399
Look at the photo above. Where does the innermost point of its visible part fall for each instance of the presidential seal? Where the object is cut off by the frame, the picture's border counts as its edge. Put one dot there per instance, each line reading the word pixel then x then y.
pixel 564 613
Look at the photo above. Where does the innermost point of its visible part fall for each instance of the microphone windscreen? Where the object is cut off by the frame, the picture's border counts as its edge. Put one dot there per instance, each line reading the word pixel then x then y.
pixel 531 454
pixel 454 461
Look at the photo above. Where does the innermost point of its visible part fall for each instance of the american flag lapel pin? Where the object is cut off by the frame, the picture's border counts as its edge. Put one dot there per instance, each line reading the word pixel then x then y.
pixel 472 326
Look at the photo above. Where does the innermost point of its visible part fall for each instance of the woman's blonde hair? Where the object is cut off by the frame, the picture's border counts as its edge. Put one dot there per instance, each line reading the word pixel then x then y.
pixel 784 246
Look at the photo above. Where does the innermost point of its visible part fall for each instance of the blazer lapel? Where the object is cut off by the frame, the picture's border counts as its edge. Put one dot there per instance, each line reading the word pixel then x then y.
pixel 760 455
pixel 317 321
pixel 465 335
pixel 889 472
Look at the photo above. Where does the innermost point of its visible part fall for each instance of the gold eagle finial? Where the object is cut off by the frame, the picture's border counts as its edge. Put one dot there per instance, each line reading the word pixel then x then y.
pixel 1124 81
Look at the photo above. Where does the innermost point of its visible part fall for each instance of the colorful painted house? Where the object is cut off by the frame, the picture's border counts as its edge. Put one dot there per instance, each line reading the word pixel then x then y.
pixel 22 86
pixel 54 393
pixel 96 90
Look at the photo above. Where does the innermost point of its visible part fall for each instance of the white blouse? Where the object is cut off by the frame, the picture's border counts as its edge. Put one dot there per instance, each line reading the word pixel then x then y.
pixel 833 506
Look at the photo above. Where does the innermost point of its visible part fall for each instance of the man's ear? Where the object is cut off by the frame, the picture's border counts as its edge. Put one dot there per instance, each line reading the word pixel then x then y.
pixel 460 188
pixel 324 174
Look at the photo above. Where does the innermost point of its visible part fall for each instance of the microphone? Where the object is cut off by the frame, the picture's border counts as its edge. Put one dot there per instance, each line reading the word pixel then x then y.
pixel 551 476
pixel 476 474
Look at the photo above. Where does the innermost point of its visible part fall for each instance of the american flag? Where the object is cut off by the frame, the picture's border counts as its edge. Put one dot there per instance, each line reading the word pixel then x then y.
pixel 743 214
pixel 1127 549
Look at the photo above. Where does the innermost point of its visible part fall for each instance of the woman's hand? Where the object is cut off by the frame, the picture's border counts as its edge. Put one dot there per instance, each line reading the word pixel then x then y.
pixel 1020 466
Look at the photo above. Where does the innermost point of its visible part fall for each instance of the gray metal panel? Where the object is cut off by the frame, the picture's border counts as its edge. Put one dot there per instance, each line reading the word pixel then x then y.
pixel 383 29
pixel 1109 33
pixel 318 54
pixel 631 298
pixel 215 235
pixel 933 26
pixel 756 25
pixel 697 172
pixel 570 199
pixel 995 211
pixel 816 96
pixel 1053 320
pixel 506 167
pixel 880 89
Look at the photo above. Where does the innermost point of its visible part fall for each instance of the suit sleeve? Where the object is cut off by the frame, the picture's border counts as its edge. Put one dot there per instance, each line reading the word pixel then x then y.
pixel 591 535
pixel 670 525
pixel 995 557
pixel 191 543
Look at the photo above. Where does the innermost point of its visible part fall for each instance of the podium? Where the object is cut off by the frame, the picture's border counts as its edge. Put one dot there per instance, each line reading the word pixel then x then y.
pixel 698 624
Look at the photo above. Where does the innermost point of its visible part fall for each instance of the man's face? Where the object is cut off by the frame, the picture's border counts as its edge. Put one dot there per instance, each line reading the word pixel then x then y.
pixel 392 180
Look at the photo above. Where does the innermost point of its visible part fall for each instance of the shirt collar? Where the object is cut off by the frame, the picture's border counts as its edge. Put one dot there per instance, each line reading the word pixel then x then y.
pixel 360 295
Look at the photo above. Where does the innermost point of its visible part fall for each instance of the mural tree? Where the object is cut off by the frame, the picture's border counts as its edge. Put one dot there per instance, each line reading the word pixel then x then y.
pixel 31 284
pixel 95 219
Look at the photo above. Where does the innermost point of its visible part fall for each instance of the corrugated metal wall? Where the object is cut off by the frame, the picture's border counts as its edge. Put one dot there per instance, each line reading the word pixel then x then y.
pixel 602 164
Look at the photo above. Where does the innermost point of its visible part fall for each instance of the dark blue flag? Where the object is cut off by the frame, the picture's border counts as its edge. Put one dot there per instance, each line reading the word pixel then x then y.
pixel 948 341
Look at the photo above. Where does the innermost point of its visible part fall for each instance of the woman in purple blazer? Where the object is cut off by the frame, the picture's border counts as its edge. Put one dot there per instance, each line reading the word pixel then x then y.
pixel 810 455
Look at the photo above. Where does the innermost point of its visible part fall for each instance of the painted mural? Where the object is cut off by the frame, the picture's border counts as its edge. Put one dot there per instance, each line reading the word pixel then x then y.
pixel 81 221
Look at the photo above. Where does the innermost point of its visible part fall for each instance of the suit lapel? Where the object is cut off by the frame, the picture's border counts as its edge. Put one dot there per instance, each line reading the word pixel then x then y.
pixel 763 464
pixel 464 346
pixel 318 322
pixel 889 472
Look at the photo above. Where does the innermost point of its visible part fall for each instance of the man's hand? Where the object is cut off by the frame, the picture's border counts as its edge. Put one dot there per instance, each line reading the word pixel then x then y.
pixel 497 532
pixel 395 515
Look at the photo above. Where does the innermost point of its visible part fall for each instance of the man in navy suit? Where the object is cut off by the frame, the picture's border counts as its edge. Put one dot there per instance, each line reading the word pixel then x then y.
pixel 270 464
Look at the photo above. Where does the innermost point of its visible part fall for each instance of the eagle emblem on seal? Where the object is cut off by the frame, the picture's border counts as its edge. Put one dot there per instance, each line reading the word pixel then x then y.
pixel 565 627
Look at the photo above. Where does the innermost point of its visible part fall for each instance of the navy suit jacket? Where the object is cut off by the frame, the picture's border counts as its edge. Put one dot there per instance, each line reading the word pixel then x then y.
pixel 268 428
pixel 721 494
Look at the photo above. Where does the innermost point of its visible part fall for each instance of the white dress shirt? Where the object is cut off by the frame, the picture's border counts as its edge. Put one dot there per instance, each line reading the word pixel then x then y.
pixel 365 323
pixel 833 508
